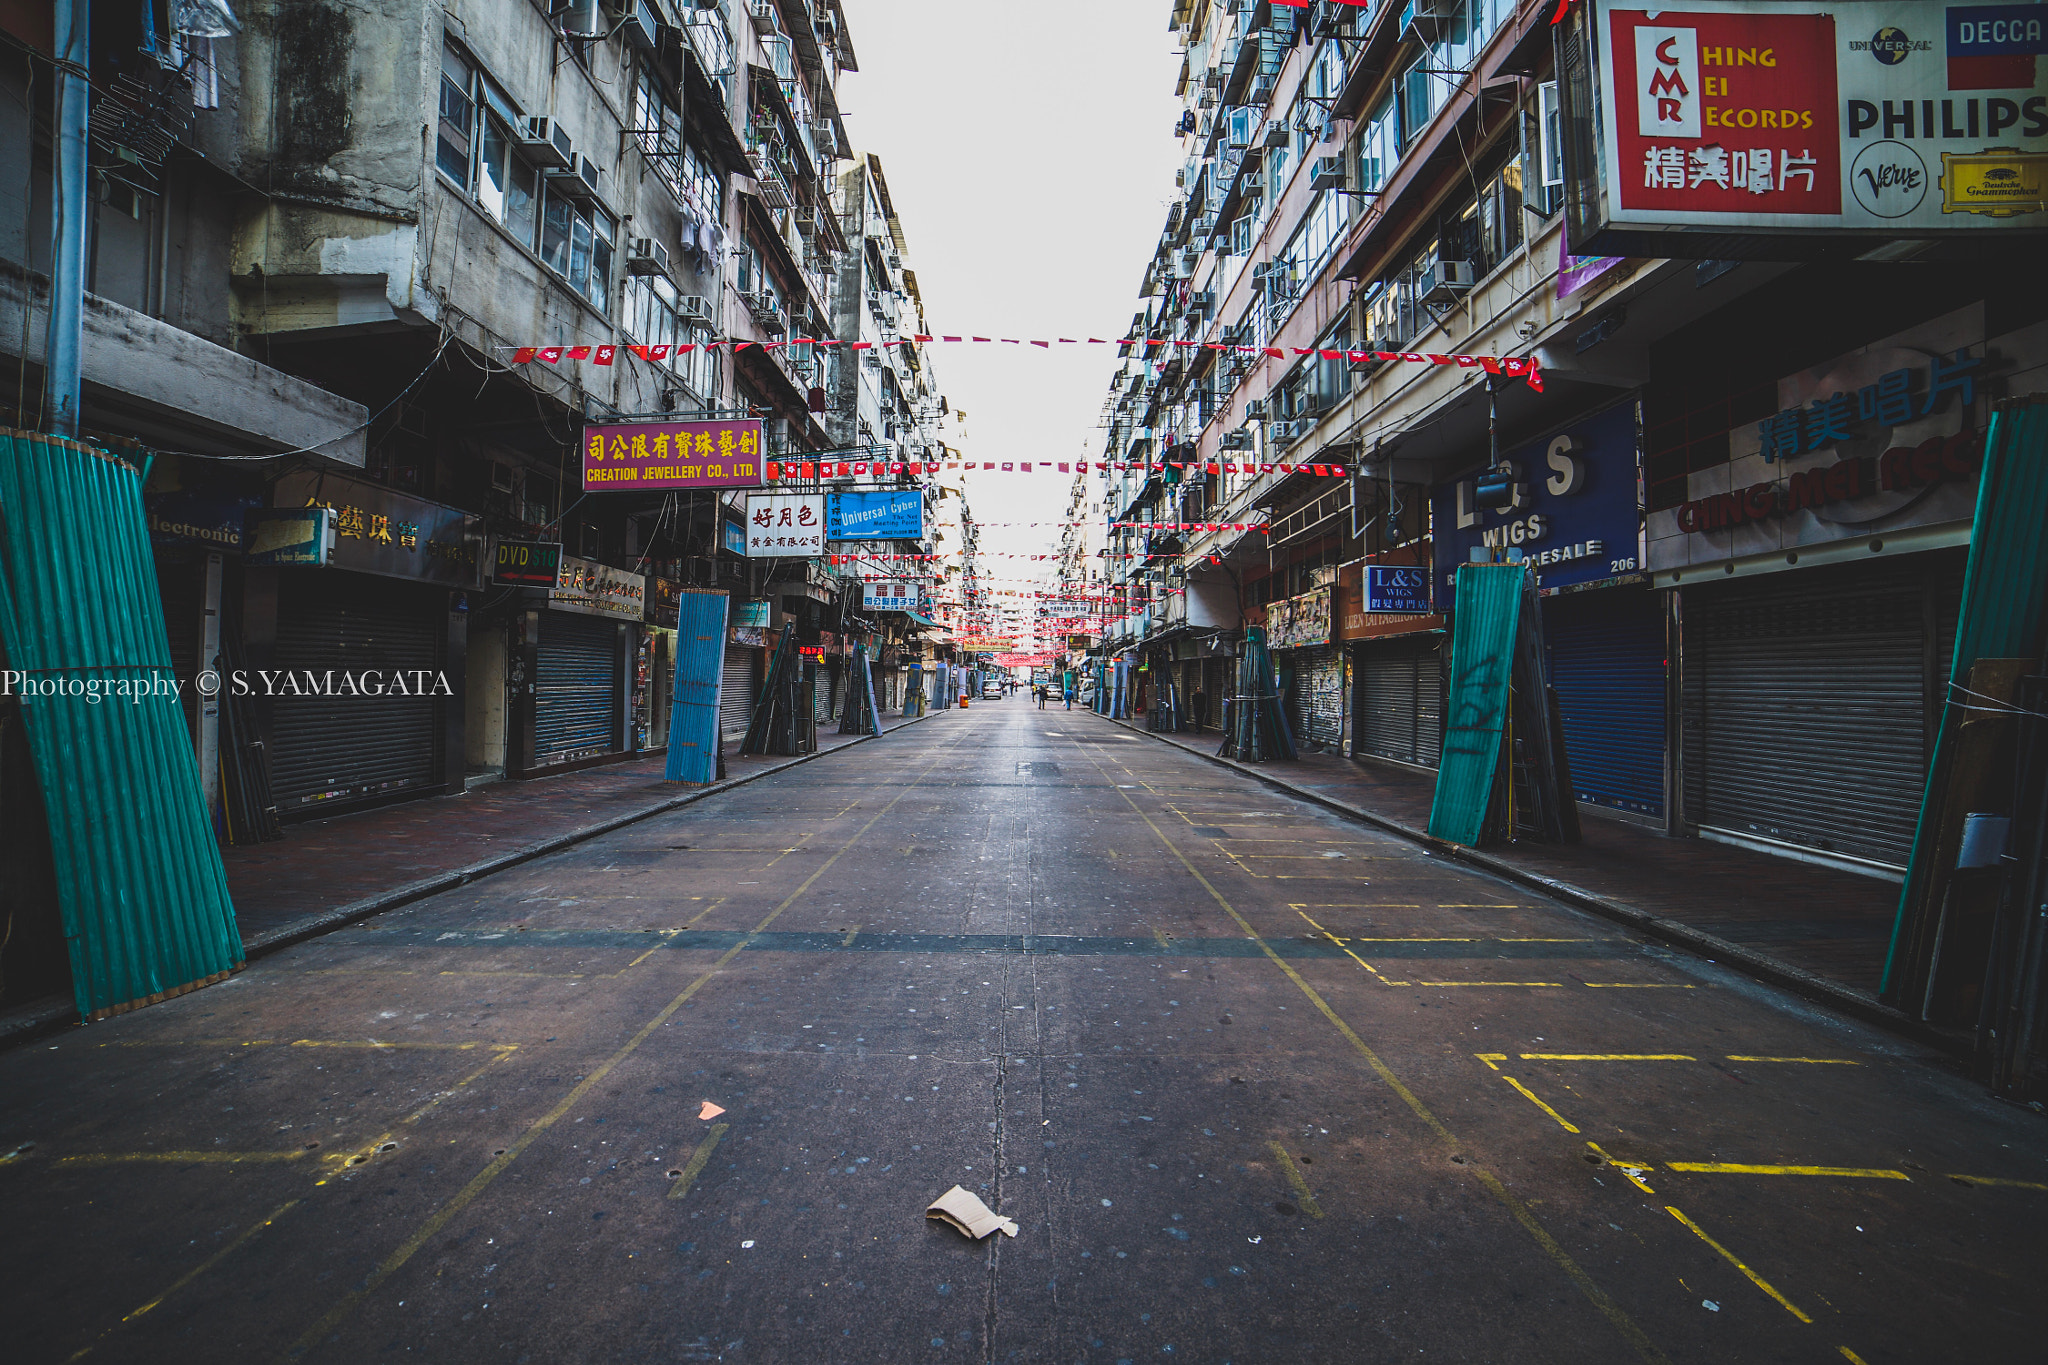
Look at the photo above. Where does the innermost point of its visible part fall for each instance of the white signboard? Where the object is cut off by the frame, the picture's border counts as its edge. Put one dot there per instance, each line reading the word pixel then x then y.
pixel 785 525
pixel 1765 116
pixel 891 595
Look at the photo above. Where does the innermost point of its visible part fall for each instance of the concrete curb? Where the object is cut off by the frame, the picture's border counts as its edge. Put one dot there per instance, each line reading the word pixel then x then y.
pixel 35 1020
pixel 1764 967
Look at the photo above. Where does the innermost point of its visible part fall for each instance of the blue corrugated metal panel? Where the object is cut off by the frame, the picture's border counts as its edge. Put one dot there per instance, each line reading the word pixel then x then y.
pixel 576 685
pixel 2003 592
pixel 1607 663
pixel 1489 605
pixel 700 677
pixel 140 886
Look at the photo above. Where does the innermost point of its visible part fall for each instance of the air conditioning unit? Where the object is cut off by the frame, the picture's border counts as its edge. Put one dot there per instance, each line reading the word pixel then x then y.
pixel 1277 134
pixel 1445 281
pixel 762 12
pixel 1263 86
pixel 694 308
pixel 1201 302
pixel 1327 173
pixel 571 178
pixel 546 142
pixel 1255 410
pixel 1237 440
pixel 641 24
pixel 646 256
pixel 1205 226
pixel 1424 20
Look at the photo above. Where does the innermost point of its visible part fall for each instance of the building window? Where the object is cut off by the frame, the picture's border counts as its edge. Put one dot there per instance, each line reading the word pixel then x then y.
pixel 1379 145
pixel 458 117
pixel 507 184
pixel 659 128
pixel 576 243
pixel 1550 147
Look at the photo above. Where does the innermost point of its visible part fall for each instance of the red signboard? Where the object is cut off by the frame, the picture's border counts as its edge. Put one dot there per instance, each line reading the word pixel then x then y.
pixel 1726 113
pixel 661 456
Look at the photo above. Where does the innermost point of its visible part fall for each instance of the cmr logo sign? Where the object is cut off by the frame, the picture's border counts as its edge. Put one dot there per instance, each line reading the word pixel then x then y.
pixel 1668 82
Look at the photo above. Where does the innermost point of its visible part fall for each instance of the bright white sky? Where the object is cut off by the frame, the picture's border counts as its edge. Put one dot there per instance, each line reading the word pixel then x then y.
pixel 1029 151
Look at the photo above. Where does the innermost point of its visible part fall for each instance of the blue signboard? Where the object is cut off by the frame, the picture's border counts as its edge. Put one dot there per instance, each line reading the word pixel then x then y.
pixel 736 537
pixel 883 514
pixel 1397 587
pixel 1570 506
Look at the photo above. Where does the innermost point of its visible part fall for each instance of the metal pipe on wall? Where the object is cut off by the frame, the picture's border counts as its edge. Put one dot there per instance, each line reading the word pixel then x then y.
pixel 67 220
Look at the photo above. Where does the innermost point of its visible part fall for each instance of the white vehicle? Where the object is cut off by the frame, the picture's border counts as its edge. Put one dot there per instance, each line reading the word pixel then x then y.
pixel 992 690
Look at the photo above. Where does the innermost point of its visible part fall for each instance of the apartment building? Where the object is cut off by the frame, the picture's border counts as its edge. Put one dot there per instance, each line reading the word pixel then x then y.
pixel 1365 183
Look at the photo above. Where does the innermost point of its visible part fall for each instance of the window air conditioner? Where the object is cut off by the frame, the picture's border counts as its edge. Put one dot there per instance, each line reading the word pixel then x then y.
pixel 1255 410
pixel 1263 86
pixel 646 256
pixel 1425 19
pixel 1445 281
pixel 546 142
pixel 1328 173
pixel 1277 134
pixel 1237 440
pixel 694 308
pixel 762 12
pixel 641 23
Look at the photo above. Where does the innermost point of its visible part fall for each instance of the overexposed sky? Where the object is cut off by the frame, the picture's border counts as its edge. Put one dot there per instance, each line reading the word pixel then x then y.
pixel 1030 154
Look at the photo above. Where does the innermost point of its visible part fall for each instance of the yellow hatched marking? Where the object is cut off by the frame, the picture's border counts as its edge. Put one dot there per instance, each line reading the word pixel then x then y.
pixel 1295 1178
pixel 1530 1096
pixel 1736 1168
pixel 1634 1170
pixel 1733 1260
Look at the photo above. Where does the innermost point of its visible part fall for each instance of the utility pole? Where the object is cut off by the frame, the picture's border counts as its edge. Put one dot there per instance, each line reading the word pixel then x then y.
pixel 67 219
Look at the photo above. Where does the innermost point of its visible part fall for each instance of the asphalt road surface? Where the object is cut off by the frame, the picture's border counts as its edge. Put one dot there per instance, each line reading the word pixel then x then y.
pixel 1254 1083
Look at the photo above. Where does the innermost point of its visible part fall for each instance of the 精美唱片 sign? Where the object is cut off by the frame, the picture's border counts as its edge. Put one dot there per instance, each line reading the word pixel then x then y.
pixel 664 456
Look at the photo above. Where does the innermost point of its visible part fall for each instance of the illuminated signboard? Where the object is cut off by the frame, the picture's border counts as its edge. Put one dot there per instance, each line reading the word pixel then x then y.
pixel 635 457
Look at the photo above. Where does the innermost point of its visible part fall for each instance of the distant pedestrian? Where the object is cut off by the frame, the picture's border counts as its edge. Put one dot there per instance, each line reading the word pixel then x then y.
pixel 1039 693
pixel 1201 709
pixel 1070 696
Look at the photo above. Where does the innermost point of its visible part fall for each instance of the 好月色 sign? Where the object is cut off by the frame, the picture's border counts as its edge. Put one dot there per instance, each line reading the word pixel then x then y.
pixel 1782 119
pixel 785 524
pixel 630 457
pixel 879 514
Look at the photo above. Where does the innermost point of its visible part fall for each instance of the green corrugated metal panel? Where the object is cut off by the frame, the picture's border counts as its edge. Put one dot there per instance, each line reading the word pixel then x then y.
pixel 1489 606
pixel 700 678
pixel 140 886
pixel 2003 593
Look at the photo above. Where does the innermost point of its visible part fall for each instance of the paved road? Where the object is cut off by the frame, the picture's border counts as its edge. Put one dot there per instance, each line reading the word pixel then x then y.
pixel 1255 1084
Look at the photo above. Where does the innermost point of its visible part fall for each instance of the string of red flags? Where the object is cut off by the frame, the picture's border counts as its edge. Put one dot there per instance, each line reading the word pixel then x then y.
pixel 822 469
pixel 1190 526
pixel 1513 367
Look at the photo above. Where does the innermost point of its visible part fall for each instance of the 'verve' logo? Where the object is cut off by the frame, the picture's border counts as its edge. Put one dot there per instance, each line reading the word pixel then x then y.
pixel 1888 179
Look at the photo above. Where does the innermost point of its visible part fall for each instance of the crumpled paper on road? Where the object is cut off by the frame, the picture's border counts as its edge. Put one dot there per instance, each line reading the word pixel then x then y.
pixel 967 1215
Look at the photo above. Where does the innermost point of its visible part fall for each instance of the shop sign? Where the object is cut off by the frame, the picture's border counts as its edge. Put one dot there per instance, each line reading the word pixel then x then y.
pixel 752 612
pixel 1396 587
pixel 891 595
pixel 881 514
pixel 1882 440
pixel 189 516
pixel 785 525
pixel 1299 621
pixel 1759 116
pixel 1570 507
pixel 378 531
pixel 629 457
pixel 526 563
pixel 294 535
pixel 733 535
pixel 593 589
pixel 664 602
pixel 750 637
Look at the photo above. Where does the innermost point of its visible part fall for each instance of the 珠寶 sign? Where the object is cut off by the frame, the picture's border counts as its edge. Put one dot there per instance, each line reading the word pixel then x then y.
pixel 627 457
pixel 785 524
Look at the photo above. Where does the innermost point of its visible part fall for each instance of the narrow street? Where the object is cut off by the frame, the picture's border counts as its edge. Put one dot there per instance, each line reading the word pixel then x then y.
pixel 1256 1084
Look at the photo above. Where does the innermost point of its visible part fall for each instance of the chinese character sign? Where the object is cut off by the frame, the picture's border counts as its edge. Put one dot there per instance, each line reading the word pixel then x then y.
pixel 636 456
pixel 1859 115
pixel 785 525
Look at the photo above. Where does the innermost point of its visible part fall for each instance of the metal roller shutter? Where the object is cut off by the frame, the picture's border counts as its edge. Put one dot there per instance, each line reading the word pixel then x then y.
pixel 1315 696
pixel 1806 706
pixel 1607 663
pixel 577 687
pixel 741 686
pixel 326 749
pixel 1400 706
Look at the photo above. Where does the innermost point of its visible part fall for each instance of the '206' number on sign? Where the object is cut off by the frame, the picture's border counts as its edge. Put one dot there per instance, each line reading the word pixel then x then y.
pixel 1621 565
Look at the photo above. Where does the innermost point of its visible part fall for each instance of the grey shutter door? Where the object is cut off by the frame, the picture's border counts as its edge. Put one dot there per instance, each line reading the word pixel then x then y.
pixel 1806 706
pixel 1400 702
pixel 333 750
pixel 742 685
pixel 576 696
pixel 1607 664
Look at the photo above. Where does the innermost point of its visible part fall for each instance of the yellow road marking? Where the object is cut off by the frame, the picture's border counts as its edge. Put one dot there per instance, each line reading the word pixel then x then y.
pixel 695 1167
pixel 1160 937
pixel 1637 986
pixel 468 1194
pixel 422 1047
pixel 194 1273
pixel 1546 940
pixel 1616 1316
pixel 1734 1168
pixel 1294 1178
pixel 1347 952
pixel 1490 1058
pixel 1852 1357
pixel 201 1158
pixel 805 839
pixel 1807 1061
pixel 1607 1057
pixel 1490 983
pixel 1731 1258
pixel 192 1042
pixel 2002 1184
pixel 1634 1170
pixel 847 942
pixel 1530 1096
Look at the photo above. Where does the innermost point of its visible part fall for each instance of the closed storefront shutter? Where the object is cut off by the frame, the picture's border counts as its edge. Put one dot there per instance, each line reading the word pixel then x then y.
pixel 1315 696
pixel 742 684
pixel 1807 704
pixel 1607 664
pixel 577 688
pixel 331 750
pixel 1400 702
